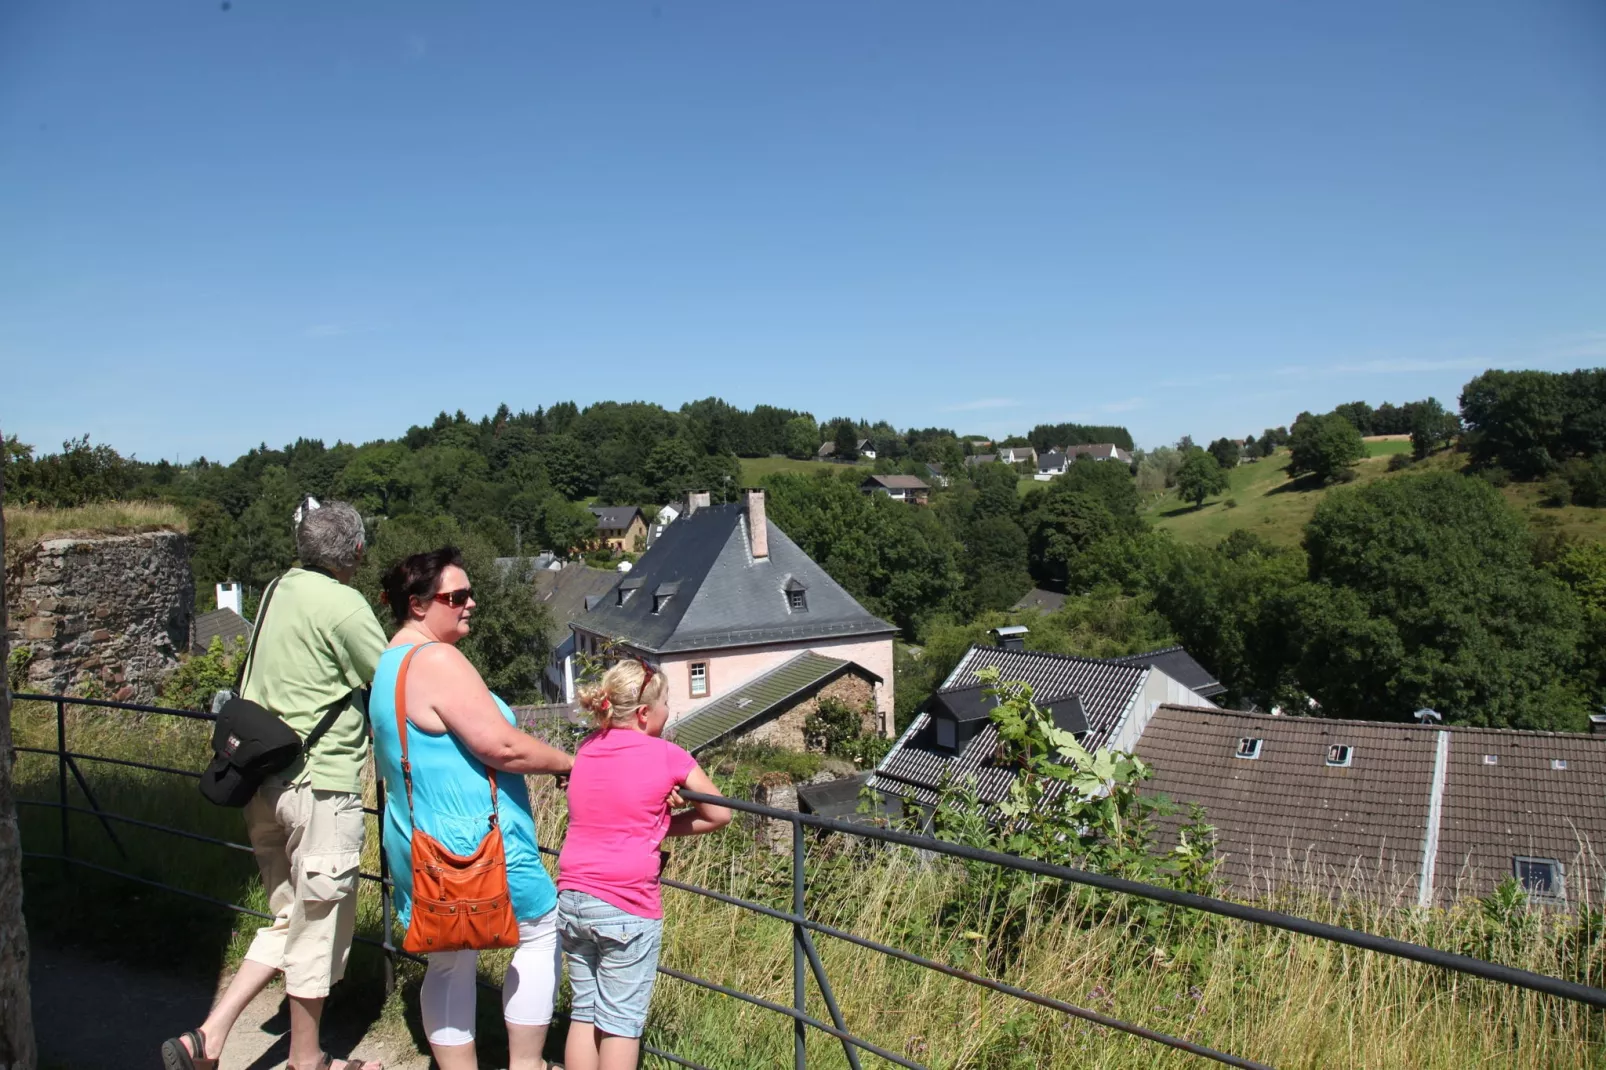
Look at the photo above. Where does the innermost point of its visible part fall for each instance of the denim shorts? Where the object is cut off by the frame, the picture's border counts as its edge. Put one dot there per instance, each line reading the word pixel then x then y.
pixel 613 961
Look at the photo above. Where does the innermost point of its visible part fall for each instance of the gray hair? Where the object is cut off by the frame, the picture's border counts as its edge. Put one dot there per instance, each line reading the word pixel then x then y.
pixel 330 537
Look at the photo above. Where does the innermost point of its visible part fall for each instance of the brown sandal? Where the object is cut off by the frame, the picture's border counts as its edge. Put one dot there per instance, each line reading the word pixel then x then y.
pixel 175 1056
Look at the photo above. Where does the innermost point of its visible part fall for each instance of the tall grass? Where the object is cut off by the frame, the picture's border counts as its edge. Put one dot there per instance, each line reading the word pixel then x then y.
pixel 1287 1000
pixel 26 525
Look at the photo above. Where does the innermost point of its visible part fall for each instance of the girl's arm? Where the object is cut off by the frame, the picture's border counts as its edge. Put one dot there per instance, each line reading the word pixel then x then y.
pixel 702 817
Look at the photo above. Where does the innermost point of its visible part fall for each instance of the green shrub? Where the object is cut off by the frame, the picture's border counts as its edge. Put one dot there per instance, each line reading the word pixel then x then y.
pixel 200 676
pixel 1399 462
pixel 1496 477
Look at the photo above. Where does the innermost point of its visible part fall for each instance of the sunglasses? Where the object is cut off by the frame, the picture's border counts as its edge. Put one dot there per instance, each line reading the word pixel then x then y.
pixel 456 599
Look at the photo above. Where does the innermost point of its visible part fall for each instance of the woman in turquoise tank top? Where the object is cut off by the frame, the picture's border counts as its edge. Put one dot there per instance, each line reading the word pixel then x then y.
pixel 456 729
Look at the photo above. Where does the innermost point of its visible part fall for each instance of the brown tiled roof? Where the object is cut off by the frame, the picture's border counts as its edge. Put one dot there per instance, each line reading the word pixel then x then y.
pixel 1288 812
pixel 1521 805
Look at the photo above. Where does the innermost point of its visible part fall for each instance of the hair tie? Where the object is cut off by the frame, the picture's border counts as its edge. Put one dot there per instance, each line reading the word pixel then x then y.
pixel 604 705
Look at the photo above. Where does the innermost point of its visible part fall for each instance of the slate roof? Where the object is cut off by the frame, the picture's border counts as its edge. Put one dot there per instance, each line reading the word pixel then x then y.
pixel 897 482
pixel 1052 461
pixel 526 567
pixel 615 517
pixel 757 698
pixel 725 597
pixel 1178 664
pixel 564 593
pixel 839 799
pixel 917 768
pixel 1041 598
pixel 224 624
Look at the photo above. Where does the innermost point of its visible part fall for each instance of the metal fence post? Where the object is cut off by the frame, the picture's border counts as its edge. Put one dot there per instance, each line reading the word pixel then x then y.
pixel 61 774
pixel 799 1036
pixel 386 946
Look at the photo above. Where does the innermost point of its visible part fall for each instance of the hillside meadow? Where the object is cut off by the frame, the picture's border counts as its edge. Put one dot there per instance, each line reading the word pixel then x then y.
pixel 1285 1000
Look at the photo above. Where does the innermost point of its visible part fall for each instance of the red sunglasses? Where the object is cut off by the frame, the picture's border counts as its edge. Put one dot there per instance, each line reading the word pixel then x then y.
pixel 456 599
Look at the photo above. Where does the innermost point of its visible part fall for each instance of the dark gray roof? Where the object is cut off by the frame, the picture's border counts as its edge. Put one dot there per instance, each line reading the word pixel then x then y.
pixel 917 767
pixel 1180 665
pixel 981 458
pixel 616 517
pixel 1051 460
pixel 525 567
pixel 725 597
pixel 224 624
pixel 839 799
pixel 1041 598
pixel 565 592
pixel 754 700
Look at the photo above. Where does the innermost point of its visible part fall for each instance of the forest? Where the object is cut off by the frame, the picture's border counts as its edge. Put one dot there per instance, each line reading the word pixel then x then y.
pixel 1425 589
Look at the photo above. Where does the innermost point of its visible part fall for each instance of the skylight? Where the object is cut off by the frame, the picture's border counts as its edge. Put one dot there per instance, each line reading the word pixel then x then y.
pixel 1248 747
pixel 1340 754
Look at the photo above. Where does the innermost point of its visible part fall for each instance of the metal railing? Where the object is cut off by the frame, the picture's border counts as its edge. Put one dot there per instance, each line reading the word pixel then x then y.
pixel 806 960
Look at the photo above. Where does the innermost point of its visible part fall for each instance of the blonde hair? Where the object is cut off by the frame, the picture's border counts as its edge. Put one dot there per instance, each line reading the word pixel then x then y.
pixel 622 690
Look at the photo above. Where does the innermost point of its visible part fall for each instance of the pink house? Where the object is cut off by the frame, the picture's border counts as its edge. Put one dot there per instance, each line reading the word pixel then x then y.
pixel 746 628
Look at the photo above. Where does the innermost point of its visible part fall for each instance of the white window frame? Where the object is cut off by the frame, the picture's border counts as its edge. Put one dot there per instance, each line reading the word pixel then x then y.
pixel 692 677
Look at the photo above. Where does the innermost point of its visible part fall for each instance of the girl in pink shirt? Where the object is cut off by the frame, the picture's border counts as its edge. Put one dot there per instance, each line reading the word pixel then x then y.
pixel 610 912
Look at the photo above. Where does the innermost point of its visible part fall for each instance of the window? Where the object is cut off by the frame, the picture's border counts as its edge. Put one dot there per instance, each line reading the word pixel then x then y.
pixel 659 601
pixel 1541 878
pixel 1248 747
pixel 945 734
pixel 1339 754
pixel 699 679
pixel 1558 764
pixel 1491 759
pixel 796 601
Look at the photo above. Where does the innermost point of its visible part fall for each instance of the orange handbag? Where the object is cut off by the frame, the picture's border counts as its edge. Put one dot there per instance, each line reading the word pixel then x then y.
pixel 460 903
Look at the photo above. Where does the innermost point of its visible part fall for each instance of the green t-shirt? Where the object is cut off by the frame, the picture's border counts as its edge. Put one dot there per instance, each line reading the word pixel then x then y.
pixel 319 641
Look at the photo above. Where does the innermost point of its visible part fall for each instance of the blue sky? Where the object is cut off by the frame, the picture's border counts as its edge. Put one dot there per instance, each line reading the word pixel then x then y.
pixel 226 224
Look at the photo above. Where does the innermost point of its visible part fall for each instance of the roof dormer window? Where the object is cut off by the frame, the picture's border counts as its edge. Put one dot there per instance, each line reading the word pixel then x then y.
pixel 797 598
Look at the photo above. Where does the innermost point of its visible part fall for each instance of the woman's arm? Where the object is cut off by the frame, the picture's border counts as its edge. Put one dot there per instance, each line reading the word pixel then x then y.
pixel 702 817
pixel 457 695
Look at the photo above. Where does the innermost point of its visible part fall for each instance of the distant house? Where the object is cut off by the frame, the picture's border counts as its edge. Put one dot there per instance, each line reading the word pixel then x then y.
pixel 910 489
pixel 980 458
pixel 567 594
pixel 934 473
pixel 726 607
pixel 865 448
pixel 1431 814
pixel 1105 702
pixel 1017 455
pixel 1043 600
pixel 524 569
pixel 224 624
pixel 1049 465
pixel 1100 451
pixel 621 528
pixel 666 516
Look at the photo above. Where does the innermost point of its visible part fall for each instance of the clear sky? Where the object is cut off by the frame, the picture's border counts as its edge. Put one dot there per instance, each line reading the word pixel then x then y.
pixel 227 223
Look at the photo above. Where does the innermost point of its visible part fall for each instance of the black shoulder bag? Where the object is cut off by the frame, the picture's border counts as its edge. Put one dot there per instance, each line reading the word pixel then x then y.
pixel 251 742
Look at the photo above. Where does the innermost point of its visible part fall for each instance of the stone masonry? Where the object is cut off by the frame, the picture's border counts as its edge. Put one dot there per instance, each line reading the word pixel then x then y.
pixel 110 610
pixel 786 729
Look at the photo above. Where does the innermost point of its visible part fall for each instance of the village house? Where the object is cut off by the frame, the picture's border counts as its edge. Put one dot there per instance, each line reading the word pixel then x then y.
pixel 1098 451
pixel 748 631
pixel 1049 465
pixel 621 528
pixel 226 623
pixel 911 489
pixel 865 448
pixel 1017 455
pixel 980 458
pixel 567 593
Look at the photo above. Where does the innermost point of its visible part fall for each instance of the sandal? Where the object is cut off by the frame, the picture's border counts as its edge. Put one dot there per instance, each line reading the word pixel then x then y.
pixel 175 1056
pixel 326 1062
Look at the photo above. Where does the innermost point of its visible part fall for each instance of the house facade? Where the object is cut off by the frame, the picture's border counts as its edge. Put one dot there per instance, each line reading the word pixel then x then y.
pixel 1050 464
pixel 621 528
pixel 724 600
pixel 1017 455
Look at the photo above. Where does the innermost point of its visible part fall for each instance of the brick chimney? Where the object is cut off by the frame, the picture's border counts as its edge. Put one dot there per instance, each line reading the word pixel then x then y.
pixel 757 528
pixel 697 499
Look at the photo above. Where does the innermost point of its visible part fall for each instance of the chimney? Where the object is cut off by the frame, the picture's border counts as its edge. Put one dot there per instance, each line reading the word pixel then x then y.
pixel 697 499
pixel 1011 636
pixel 1597 724
pixel 229 596
pixel 757 528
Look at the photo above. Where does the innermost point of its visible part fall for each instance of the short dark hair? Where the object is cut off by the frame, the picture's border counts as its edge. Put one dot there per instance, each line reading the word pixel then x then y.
pixel 418 576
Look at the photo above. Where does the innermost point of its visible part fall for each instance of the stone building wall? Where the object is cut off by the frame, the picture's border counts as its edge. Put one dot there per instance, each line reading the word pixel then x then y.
pixel 786 729
pixel 111 609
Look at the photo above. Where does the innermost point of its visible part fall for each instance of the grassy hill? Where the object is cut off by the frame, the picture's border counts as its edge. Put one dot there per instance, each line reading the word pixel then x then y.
pixel 1262 499
pixel 755 469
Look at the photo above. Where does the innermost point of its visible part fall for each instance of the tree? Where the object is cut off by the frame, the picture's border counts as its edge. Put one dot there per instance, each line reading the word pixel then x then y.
pixel 995 563
pixel 1359 414
pixel 567 527
pixel 802 438
pixel 846 441
pixel 1423 592
pixel 1431 427
pixel 1226 452
pixel 995 491
pixel 1326 447
pixel 1199 477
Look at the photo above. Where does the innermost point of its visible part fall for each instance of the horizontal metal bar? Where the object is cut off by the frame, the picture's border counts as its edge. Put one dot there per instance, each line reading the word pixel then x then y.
pixel 108 761
pixel 194 715
pixel 237 908
pixel 781 1008
pixel 976 979
pixel 169 829
pixel 1337 934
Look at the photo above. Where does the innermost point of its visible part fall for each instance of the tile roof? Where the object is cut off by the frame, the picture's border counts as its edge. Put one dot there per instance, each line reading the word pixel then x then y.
pixel 726 597
pixel 565 592
pixel 224 624
pixel 918 768
pixel 1180 665
pixel 615 517
pixel 893 482
pixel 755 699
pixel 1287 814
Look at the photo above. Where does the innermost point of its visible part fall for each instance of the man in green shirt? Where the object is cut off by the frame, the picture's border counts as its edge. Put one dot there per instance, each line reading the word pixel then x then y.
pixel 318 646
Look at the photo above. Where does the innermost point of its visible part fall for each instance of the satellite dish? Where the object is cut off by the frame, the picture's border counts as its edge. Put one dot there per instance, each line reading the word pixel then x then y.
pixel 1424 715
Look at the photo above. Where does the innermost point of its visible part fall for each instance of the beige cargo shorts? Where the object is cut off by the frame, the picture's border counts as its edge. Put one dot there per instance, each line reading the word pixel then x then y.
pixel 308 846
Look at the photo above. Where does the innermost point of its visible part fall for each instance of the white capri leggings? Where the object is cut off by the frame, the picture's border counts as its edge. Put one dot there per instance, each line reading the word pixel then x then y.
pixel 446 1001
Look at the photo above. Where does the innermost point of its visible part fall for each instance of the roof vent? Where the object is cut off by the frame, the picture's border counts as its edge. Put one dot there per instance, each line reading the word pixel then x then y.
pixel 1340 754
pixel 1248 747
pixel 1011 636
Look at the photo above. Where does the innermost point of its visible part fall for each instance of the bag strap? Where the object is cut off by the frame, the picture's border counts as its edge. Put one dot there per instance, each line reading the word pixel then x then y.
pixel 326 722
pixel 401 733
pixel 256 633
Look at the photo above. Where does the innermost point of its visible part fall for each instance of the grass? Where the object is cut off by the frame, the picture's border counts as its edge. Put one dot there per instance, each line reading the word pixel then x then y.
pixel 26 525
pixel 1286 1000
pixel 756 469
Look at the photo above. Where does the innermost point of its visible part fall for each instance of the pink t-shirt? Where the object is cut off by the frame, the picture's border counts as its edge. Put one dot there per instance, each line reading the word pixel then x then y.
pixel 618 815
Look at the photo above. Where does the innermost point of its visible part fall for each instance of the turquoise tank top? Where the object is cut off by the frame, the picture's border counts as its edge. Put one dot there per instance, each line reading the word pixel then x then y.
pixel 453 799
